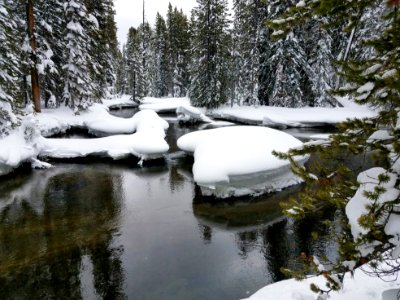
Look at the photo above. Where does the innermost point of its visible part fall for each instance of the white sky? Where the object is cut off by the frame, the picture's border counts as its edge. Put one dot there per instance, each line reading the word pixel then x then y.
pixel 129 12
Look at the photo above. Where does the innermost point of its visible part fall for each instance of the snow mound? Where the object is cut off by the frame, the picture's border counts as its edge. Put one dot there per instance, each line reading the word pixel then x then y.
pixel 190 114
pixel 20 147
pixel 238 160
pixel 164 105
pixel 146 143
pixel 146 119
pixel 124 101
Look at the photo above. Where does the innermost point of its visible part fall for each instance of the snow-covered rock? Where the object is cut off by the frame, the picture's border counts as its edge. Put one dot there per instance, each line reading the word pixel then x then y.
pixel 238 160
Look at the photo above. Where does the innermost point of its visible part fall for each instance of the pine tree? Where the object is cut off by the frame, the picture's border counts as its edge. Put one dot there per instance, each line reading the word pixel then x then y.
pixel 285 70
pixel 248 24
pixel 104 45
pixel 161 57
pixel 210 54
pixel 370 206
pixel 134 65
pixel 146 36
pixel 178 50
pixel 79 88
pixel 49 48
pixel 9 70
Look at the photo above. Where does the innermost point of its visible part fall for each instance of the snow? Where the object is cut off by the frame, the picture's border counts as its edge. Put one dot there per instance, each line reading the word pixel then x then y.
pixel 143 145
pixel 380 135
pixel 146 143
pixel 358 205
pixel 144 137
pixel 301 4
pixel 146 119
pixel 291 117
pixel 124 101
pixel 187 114
pixel 96 119
pixel 389 74
pixel 164 105
pixel 368 87
pixel 362 286
pixel 372 70
pixel 18 148
pixel 238 160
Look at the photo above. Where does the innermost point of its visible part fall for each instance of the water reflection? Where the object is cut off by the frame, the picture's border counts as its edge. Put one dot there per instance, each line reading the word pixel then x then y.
pixel 49 222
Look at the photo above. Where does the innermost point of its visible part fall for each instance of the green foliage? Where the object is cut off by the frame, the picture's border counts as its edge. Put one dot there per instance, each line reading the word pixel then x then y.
pixel 330 179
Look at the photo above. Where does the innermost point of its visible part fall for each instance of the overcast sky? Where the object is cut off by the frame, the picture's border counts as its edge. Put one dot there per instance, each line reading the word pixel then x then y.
pixel 129 12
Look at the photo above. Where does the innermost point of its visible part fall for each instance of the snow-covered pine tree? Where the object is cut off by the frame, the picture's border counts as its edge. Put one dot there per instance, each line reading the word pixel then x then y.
pixel 49 27
pixel 370 205
pixel 210 54
pixel 318 44
pixel 121 78
pixel 79 88
pixel 161 58
pixel 134 65
pixel 9 70
pixel 178 51
pixel 248 24
pixel 104 45
pixel 146 35
pixel 285 70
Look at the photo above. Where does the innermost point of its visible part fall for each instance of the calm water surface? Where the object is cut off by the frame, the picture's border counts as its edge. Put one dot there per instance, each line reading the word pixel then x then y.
pixel 117 231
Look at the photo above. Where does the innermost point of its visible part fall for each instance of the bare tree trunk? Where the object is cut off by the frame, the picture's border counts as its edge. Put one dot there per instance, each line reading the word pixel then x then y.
pixel 34 72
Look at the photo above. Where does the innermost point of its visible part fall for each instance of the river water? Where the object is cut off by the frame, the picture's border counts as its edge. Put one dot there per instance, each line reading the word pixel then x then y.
pixel 119 231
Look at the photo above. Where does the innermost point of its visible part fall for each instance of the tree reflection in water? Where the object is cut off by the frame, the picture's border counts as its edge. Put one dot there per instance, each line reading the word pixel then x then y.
pixel 259 226
pixel 46 232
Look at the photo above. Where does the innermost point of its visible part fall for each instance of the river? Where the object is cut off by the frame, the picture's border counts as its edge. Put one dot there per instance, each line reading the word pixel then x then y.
pixel 118 231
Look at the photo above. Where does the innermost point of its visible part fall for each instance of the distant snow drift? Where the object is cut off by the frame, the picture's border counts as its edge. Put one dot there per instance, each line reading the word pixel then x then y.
pixel 238 160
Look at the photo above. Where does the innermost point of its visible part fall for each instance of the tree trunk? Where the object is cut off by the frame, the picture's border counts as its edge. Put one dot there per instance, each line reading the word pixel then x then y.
pixel 34 72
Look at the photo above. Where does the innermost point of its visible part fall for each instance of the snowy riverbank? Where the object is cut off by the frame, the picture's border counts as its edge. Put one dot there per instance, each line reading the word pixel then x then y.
pixel 360 287
pixel 142 136
pixel 280 117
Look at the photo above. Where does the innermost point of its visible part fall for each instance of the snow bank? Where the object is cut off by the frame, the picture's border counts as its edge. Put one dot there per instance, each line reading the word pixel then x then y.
pixel 164 105
pixel 96 119
pixel 236 161
pixel 20 147
pixel 190 115
pixel 147 143
pixel 291 117
pixel 362 286
pixel 146 119
pixel 124 101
